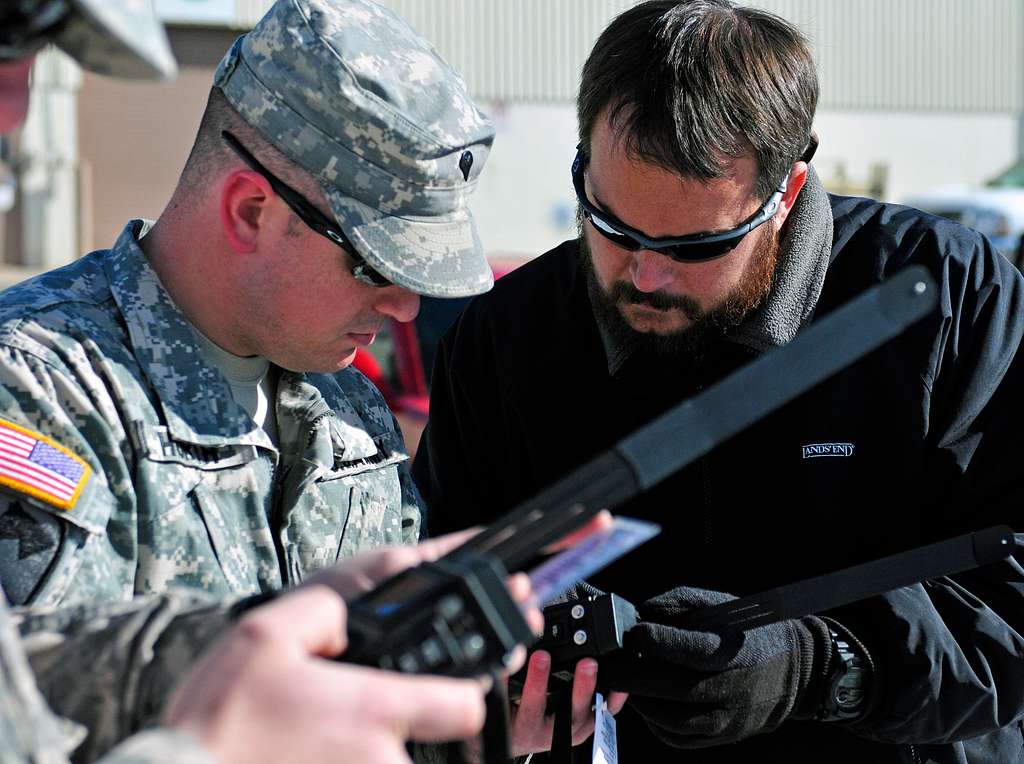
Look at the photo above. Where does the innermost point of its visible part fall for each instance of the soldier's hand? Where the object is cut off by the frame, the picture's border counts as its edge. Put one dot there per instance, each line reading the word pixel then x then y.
pixel 265 693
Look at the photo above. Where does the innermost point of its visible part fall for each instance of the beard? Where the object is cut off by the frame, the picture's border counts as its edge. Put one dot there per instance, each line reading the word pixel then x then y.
pixel 706 325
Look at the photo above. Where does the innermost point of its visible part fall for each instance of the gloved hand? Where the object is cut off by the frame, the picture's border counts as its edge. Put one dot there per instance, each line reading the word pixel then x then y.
pixel 698 688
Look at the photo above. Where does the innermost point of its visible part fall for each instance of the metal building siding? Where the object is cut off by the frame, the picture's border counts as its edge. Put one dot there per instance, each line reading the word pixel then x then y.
pixel 508 50
pixel 948 55
pixel 248 12
pixel 514 50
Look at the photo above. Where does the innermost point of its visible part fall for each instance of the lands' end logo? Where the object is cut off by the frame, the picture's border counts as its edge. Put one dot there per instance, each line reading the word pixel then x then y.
pixel 814 450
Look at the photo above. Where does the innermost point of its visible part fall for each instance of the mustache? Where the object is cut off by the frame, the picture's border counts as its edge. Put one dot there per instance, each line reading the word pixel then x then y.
pixel 626 292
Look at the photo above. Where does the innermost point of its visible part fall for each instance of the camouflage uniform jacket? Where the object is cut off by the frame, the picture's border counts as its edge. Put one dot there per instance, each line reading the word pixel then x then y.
pixel 180 488
pixel 111 666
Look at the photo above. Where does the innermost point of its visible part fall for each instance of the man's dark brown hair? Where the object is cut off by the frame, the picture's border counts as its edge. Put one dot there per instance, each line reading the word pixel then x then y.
pixel 690 84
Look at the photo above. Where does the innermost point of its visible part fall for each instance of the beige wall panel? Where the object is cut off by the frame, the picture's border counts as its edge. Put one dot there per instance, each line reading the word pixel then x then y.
pixel 913 55
pixel 948 55
pixel 134 138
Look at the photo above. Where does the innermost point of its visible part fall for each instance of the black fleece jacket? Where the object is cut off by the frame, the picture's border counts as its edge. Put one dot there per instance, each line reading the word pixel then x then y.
pixel 935 423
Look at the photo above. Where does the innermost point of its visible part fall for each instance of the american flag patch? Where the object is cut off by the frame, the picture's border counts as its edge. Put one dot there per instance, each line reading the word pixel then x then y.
pixel 32 463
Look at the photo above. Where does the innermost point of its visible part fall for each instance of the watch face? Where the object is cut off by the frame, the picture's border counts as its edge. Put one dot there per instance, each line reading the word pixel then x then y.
pixel 849 692
pixel 848 679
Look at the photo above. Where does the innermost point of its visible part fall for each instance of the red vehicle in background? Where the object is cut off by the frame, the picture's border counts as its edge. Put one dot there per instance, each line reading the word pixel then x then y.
pixel 401 359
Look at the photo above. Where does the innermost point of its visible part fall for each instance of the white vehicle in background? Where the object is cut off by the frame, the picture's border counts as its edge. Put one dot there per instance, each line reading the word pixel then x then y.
pixel 996 212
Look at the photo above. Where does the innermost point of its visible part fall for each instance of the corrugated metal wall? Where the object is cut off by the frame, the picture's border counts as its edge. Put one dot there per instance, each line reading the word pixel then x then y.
pixel 948 55
pixel 514 50
pixel 508 50
pixel 249 11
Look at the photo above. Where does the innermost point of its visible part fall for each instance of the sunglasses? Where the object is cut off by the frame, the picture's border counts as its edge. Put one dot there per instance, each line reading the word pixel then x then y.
pixel 310 215
pixel 27 25
pixel 694 248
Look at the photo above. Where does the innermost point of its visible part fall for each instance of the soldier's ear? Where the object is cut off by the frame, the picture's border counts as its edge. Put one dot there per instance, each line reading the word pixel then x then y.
pixel 245 198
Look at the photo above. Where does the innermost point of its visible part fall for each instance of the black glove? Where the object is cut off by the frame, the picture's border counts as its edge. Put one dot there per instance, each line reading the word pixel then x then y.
pixel 698 688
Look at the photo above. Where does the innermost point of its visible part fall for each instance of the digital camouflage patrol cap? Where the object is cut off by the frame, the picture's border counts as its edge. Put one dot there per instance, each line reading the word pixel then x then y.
pixel 123 38
pixel 350 92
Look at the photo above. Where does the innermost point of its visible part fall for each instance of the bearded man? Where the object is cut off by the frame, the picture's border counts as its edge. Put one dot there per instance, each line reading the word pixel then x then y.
pixel 705 240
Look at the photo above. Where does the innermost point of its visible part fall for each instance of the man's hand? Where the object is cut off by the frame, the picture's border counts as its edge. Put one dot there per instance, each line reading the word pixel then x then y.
pixel 266 694
pixel 699 688
pixel 532 726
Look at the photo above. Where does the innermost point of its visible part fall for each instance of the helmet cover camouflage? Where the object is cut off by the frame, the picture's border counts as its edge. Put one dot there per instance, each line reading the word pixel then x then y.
pixel 351 93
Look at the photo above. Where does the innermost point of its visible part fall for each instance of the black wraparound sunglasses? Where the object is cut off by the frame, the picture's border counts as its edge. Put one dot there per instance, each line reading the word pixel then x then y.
pixel 693 248
pixel 310 215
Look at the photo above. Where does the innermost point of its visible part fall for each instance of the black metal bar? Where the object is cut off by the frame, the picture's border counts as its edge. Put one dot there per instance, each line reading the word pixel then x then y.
pixel 822 593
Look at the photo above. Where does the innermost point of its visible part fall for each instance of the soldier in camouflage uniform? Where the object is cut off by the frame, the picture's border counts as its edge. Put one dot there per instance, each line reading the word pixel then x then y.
pixel 326 191
pixel 113 665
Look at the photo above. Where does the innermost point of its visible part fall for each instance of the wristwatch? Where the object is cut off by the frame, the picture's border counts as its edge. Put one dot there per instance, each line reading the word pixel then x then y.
pixel 846 686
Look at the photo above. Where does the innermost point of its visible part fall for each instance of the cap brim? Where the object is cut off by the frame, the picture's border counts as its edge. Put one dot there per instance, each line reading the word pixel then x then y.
pixel 436 256
pixel 118 39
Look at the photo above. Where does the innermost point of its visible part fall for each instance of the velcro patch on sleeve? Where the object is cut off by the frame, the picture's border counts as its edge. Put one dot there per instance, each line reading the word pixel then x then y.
pixel 38 466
